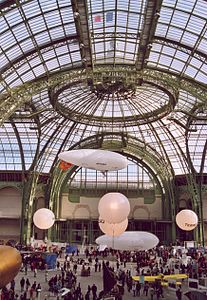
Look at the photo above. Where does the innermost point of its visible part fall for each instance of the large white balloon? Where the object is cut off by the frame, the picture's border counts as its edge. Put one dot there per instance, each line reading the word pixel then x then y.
pixel 44 218
pixel 187 219
pixel 96 159
pixel 130 240
pixel 112 229
pixel 114 207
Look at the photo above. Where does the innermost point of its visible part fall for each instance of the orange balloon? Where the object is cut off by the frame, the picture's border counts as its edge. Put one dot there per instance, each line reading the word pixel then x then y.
pixel 64 165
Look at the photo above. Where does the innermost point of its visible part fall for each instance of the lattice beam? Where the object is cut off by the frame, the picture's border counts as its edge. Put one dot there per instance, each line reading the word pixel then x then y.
pixel 16 97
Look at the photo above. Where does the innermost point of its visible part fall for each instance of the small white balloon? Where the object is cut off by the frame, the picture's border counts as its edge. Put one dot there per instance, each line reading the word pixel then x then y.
pixel 114 207
pixel 187 219
pixel 112 229
pixel 44 218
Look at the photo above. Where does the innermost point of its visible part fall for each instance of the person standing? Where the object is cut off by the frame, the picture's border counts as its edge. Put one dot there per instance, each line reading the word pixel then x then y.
pixel 38 291
pixel 134 289
pixel 146 288
pixel 22 283
pixel 94 291
pixel 12 285
pixel 179 294
pixel 138 288
pixel 151 292
pixel 27 284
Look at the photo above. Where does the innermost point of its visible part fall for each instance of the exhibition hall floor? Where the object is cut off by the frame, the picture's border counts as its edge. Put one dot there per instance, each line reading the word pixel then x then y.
pixel 95 277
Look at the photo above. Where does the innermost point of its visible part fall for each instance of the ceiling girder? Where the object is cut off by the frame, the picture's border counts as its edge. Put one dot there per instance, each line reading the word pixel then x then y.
pixel 150 22
pixel 18 61
pixel 16 97
pixel 80 13
pixel 186 48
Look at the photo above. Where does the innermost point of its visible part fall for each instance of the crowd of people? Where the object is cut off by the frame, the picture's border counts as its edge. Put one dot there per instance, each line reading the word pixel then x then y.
pixel 161 260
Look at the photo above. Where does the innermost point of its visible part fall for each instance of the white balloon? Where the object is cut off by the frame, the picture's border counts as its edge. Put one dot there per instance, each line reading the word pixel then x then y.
pixel 112 229
pixel 187 219
pixel 95 159
pixel 43 218
pixel 130 240
pixel 114 207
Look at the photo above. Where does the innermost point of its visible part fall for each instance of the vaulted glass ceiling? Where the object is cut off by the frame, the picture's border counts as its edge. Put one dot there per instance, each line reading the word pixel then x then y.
pixel 126 75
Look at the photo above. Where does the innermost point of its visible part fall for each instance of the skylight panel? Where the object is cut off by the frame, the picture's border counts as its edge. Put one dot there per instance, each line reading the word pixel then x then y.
pixel 25 67
pixel 35 61
pixel 168 50
pixel 122 18
pixel 27 76
pixel 3 25
pixel 64 59
pixel 67 15
pixel 182 55
pixel 3 60
pixel 27 45
pixel 200 9
pixel 56 32
pixel 42 37
pixel 161 29
pixel 15 82
pixel 174 33
pixel 202 77
pixel 202 45
pixel 52 64
pixel 37 24
pixel 196 62
pixel 20 32
pixel 53 18
pixel 76 58
pixel 179 19
pixel 183 4
pixel 14 52
pixel 69 29
pixel 7 40
pixel 204 70
pixel 189 38
pixel 13 18
pixel 177 65
pixel 39 70
pixel 63 49
pixel 123 4
pixel 31 9
pixel 165 60
pixel 196 24
pixel 190 71
pixel 48 5
pixel 49 54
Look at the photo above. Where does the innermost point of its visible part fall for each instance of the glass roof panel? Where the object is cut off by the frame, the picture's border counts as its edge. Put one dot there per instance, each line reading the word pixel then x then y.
pixel 39 38
pixel 115 29
pixel 31 28
pixel 9 148
pixel 184 27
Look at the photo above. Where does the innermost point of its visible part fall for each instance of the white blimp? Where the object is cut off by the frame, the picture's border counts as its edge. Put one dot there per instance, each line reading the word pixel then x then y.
pixel 130 240
pixel 101 160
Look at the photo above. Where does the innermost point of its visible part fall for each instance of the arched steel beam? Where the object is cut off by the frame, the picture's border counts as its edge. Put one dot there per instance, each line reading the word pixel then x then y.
pixel 80 13
pixel 171 43
pixel 16 97
pixel 149 26
pixel 55 43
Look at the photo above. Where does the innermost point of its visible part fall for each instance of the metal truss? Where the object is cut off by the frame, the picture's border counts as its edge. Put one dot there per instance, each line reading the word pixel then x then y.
pixel 16 97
